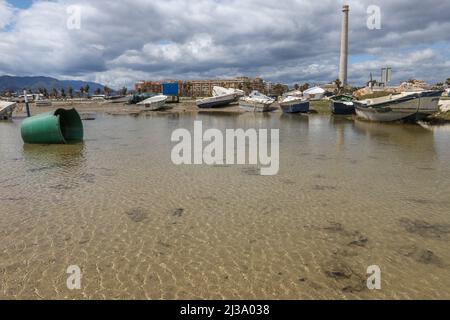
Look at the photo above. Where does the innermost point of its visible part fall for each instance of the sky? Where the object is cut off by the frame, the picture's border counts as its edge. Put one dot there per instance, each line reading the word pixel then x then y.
pixel 292 41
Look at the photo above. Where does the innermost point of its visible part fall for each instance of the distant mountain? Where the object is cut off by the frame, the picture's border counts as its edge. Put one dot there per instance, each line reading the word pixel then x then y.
pixel 11 83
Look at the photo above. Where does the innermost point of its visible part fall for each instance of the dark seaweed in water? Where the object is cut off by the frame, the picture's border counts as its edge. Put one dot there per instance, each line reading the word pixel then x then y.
pixel 137 215
pixel 423 256
pixel 178 212
pixel 425 229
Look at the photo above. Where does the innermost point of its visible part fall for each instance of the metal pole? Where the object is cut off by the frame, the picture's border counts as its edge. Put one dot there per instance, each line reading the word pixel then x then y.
pixel 27 106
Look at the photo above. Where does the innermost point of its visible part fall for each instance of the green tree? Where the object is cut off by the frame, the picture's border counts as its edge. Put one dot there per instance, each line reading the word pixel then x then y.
pixel 70 90
pixel 86 89
pixel 98 91
pixel 447 82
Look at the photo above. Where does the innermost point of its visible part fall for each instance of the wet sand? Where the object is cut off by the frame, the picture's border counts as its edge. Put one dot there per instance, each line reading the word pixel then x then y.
pixel 349 195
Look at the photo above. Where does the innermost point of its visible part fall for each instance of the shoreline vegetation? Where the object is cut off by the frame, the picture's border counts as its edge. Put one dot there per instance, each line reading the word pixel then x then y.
pixel 186 105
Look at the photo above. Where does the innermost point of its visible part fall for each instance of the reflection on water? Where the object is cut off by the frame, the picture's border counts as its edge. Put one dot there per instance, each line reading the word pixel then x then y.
pixel 349 195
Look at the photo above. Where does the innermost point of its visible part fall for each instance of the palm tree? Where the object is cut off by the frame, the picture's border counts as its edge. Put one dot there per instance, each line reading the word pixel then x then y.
pixel 338 86
pixel 86 89
pixel 55 93
pixel 70 92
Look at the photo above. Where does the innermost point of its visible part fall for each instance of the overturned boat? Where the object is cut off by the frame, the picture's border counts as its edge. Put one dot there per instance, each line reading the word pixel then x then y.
pixel 222 97
pixel 153 104
pixel 6 110
pixel 406 106
pixel 294 104
pixel 256 102
pixel 342 105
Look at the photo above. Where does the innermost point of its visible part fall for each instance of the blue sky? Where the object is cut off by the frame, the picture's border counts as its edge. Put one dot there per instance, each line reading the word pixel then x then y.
pixel 22 4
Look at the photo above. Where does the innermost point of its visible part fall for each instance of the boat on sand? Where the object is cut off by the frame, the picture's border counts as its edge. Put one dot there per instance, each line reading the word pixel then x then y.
pixel 256 102
pixel 6 110
pixel 406 106
pixel 153 104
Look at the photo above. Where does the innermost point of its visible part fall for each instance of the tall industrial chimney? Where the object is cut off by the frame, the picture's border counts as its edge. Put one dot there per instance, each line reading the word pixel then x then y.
pixel 344 46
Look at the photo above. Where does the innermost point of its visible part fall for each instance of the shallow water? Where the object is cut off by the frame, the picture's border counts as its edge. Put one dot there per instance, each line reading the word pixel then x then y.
pixel 348 195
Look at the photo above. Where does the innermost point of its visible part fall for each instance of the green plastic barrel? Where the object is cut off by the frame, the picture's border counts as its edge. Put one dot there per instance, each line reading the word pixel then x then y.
pixel 55 127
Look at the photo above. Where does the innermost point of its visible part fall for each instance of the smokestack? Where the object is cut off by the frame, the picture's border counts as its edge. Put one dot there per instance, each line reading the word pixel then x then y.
pixel 344 46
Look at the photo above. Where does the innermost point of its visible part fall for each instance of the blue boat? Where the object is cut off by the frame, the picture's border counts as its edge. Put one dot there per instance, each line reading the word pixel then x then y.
pixel 295 105
pixel 342 105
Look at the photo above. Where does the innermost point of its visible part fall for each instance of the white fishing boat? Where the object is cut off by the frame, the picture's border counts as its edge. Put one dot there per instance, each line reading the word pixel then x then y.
pixel 314 94
pixel 221 91
pixel 153 104
pixel 6 110
pixel 85 116
pixel 413 106
pixel 222 98
pixel 43 103
pixel 256 102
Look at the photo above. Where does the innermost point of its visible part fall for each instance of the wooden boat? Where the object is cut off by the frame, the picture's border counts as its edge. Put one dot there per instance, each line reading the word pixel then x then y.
pixel 256 102
pixel 6 110
pixel 153 104
pixel 407 106
pixel 291 104
pixel 217 101
pixel 43 103
pixel 342 105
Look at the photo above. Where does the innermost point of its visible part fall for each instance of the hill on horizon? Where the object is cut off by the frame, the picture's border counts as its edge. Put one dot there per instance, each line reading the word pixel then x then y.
pixel 16 84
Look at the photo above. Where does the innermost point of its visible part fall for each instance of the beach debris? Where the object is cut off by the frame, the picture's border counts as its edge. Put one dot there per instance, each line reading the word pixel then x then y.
pixel 137 215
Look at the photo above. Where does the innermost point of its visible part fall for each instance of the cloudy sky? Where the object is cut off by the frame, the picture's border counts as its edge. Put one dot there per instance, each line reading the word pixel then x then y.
pixel 290 41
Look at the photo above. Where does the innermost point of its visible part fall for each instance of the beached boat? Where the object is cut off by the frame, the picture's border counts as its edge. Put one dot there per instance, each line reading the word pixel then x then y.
pixel 153 104
pixel 408 106
pixel 43 103
pixel 294 104
pixel 85 116
pixel 256 102
pixel 218 101
pixel 314 94
pixel 6 110
pixel 342 105
pixel 221 91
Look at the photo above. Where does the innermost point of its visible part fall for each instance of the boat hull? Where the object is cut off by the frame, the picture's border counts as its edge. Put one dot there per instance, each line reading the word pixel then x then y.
pixel 153 106
pixel 6 110
pixel 216 102
pixel 340 108
pixel 414 107
pixel 255 106
pixel 295 107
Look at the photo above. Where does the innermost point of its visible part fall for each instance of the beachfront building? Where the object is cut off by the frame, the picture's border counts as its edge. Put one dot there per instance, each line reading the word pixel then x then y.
pixel 204 88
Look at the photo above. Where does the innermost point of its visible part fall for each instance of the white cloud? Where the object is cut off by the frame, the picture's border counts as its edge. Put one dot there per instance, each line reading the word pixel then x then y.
pixel 290 41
